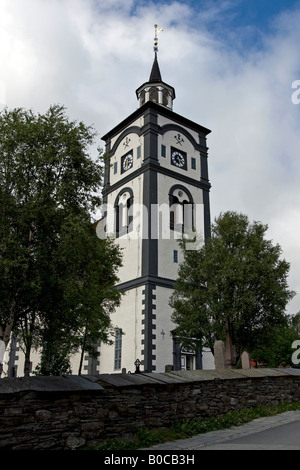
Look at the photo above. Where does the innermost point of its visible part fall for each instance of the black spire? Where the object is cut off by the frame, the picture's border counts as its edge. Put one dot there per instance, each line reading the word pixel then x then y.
pixel 155 89
pixel 155 75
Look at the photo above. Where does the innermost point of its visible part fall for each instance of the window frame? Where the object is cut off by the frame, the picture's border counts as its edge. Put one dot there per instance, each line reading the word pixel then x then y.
pixel 128 226
pixel 118 349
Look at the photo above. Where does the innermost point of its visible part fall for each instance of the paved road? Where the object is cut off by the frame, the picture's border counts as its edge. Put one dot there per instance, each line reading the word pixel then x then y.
pixel 280 432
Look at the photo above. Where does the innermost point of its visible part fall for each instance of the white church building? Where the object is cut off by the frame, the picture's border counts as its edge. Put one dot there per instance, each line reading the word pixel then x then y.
pixel 156 187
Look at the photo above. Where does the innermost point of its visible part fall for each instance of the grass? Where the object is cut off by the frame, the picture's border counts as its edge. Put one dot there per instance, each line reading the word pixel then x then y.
pixel 188 428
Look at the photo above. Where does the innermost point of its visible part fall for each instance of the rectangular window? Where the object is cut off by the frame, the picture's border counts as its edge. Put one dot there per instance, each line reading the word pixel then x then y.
pixel 175 256
pixel 193 163
pixel 163 151
pixel 138 153
pixel 115 168
pixel 118 349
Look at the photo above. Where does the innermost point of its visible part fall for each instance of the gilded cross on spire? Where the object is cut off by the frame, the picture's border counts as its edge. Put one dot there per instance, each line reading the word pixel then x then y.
pixel 157 31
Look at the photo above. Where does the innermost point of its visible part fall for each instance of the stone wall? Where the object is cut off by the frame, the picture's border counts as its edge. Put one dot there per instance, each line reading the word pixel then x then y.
pixel 66 412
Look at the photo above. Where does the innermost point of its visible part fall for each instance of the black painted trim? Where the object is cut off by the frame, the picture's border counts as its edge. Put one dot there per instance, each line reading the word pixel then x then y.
pixel 106 170
pixel 191 201
pixel 149 244
pixel 150 169
pixel 128 228
pixel 175 127
pixel 148 327
pixel 149 266
pixel 202 184
pixel 144 280
pixel 207 222
pixel 183 188
pixel 203 131
pixel 129 130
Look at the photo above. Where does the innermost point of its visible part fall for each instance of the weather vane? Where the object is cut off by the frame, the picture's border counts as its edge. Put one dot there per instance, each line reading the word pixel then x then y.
pixel 157 31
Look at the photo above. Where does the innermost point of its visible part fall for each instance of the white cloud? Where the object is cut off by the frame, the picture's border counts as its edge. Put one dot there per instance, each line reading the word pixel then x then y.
pixel 91 55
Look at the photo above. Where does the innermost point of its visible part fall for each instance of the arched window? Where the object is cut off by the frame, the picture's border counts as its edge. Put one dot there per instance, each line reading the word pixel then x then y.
pixel 118 349
pixel 165 101
pixel 153 94
pixel 142 97
pixel 123 212
pixel 181 209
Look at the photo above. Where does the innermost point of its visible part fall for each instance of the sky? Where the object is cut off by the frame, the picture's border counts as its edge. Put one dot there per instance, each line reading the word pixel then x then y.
pixel 235 67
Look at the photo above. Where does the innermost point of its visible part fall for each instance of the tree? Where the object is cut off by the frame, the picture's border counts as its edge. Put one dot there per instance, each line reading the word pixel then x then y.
pixel 236 283
pixel 84 295
pixel 84 290
pixel 281 351
pixel 56 277
pixel 295 322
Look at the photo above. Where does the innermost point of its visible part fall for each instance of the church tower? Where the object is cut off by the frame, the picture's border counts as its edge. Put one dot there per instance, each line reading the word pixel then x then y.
pixel 156 188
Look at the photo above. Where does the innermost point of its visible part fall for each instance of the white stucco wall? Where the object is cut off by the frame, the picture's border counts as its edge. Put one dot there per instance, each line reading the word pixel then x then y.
pixel 127 317
pixel 130 143
pixel 164 326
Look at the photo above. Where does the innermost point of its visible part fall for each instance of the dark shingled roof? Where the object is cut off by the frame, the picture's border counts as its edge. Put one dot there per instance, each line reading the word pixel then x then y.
pixel 155 75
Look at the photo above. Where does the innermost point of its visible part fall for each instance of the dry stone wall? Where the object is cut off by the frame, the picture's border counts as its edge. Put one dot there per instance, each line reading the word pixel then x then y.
pixel 60 413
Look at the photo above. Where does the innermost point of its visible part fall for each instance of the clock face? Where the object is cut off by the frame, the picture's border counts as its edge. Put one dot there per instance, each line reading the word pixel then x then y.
pixel 127 162
pixel 178 159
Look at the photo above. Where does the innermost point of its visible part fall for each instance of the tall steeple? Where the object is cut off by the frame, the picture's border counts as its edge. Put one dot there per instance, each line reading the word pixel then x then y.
pixel 155 75
pixel 155 89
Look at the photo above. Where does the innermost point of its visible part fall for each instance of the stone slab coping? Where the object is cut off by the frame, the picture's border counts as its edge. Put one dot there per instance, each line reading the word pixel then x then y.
pixel 266 372
pixel 121 380
pixel 95 382
pixel 47 384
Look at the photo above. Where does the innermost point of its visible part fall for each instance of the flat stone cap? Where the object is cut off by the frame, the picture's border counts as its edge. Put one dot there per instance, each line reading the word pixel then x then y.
pixel 48 384
pixel 187 376
pixel 77 383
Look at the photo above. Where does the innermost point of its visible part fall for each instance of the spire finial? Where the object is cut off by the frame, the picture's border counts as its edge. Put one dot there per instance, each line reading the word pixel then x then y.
pixel 157 31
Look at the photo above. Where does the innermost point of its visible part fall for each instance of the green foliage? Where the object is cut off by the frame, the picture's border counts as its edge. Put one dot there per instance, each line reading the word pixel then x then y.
pixel 188 428
pixel 56 276
pixel 236 281
pixel 280 352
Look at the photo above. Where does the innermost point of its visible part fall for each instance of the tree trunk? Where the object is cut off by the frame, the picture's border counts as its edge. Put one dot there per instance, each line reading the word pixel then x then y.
pixel 8 330
pixel 27 361
pixel 82 353
pixel 81 361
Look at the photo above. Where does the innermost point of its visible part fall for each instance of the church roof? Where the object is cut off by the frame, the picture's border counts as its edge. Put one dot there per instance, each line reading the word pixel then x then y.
pixel 160 109
pixel 155 75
